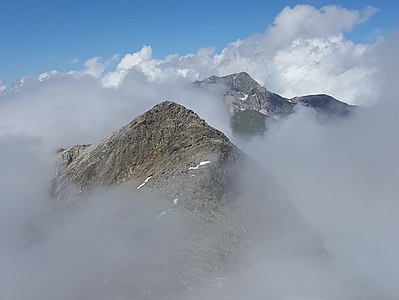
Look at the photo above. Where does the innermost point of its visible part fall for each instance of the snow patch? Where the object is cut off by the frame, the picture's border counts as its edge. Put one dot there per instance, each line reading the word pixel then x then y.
pixel 175 200
pixel 202 163
pixel 145 181
pixel 245 96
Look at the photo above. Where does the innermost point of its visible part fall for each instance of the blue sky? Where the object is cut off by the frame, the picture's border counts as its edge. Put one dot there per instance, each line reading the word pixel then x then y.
pixel 38 36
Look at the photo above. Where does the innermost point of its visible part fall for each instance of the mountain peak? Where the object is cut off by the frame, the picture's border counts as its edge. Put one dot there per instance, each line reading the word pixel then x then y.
pixel 169 110
pixel 241 75
pixel 239 81
pixel 168 105
pixel 192 168
pixel 241 92
pixel 165 144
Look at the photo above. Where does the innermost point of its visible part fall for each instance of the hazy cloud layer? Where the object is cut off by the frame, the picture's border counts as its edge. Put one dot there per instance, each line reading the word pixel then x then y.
pixel 342 177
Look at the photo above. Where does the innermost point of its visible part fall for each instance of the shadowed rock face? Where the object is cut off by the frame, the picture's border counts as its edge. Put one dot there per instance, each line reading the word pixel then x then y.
pixel 171 151
pixel 241 92
pixel 325 104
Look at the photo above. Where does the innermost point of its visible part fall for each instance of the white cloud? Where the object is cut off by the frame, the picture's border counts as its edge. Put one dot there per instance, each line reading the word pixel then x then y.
pixel 47 75
pixel 304 51
pixel 341 177
pixel 307 22
pixel 141 61
pixel 94 66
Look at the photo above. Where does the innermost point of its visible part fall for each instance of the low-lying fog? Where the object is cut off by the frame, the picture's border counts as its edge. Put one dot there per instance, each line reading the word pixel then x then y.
pixel 341 176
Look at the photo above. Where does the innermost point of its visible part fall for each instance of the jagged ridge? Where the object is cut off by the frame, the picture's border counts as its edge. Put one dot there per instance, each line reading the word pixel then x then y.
pixel 171 151
pixel 163 143
pixel 241 92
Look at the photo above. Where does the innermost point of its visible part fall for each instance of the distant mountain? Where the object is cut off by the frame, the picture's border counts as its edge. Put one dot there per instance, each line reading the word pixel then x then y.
pixel 325 104
pixel 242 93
pixel 171 151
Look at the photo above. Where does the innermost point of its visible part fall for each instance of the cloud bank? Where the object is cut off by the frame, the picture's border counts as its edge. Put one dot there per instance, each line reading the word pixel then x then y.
pixel 342 177
pixel 304 51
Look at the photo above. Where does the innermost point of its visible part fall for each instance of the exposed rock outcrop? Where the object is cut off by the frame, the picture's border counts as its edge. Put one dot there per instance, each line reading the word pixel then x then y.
pixel 241 92
pixel 171 151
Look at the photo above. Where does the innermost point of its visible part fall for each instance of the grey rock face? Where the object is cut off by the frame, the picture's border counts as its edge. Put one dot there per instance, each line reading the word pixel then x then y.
pixel 171 151
pixel 69 155
pixel 167 146
pixel 241 92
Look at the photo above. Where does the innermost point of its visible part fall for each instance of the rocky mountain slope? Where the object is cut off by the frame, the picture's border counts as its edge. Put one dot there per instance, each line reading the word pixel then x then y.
pixel 167 146
pixel 242 93
pixel 172 153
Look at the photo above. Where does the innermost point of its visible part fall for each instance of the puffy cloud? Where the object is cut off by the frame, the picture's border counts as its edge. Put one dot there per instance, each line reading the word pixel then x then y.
pixel 333 66
pixel 47 75
pixel 94 67
pixel 304 51
pixel 141 61
pixel 305 21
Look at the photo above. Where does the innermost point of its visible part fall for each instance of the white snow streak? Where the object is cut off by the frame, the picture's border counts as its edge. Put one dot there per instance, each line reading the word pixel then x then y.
pixel 200 164
pixel 245 96
pixel 145 181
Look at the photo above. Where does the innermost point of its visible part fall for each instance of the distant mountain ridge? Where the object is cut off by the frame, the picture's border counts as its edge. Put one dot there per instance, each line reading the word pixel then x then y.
pixel 241 92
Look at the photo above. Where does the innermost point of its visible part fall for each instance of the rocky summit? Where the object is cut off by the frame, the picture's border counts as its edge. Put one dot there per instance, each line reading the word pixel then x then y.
pixel 173 153
pixel 168 148
pixel 251 104
pixel 241 92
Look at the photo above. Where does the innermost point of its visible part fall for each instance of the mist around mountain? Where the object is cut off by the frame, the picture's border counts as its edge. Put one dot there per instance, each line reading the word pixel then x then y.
pixel 253 107
pixel 111 241
pixel 199 175
pixel 76 224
